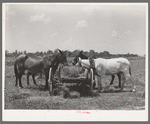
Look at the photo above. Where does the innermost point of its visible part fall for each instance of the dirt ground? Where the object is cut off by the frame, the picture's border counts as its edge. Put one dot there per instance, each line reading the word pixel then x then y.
pixel 37 98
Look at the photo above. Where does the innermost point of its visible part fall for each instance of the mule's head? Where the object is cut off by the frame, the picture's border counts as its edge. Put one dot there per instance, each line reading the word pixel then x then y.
pixel 78 62
pixel 62 57
pixel 82 56
pixel 75 60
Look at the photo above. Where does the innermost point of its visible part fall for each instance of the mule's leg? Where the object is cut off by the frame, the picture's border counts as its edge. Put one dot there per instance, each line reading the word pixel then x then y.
pixel 28 85
pixel 99 84
pixel 113 76
pixel 129 77
pixel 16 81
pixel 46 78
pixel 123 81
pixel 20 84
pixel 34 79
pixel 94 83
pixel 119 77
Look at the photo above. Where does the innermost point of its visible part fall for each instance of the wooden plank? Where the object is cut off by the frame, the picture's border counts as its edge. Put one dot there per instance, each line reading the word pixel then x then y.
pixel 71 80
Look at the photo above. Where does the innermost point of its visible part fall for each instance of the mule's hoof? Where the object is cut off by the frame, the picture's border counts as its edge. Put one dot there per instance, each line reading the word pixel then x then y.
pixel 117 87
pixel 28 86
pixel 133 90
pixel 101 91
pixel 98 91
pixel 20 87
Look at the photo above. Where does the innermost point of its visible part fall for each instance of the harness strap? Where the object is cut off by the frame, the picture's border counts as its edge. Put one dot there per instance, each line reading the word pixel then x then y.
pixel 92 65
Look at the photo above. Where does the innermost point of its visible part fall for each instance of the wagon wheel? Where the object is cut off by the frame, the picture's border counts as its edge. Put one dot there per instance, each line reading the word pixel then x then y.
pixel 50 81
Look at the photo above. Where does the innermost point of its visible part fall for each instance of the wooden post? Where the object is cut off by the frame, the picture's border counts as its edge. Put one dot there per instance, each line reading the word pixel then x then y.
pixel 91 80
pixel 50 81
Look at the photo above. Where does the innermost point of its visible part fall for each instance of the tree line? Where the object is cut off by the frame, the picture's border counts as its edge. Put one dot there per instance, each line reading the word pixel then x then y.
pixel 91 53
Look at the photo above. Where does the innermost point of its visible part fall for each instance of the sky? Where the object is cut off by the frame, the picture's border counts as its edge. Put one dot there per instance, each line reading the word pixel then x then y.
pixel 117 28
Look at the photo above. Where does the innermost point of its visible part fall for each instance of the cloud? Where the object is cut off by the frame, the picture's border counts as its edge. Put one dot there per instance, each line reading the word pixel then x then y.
pixel 128 32
pixel 40 18
pixel 37 18
pixel 47 20
pixel 82 24
pixel 114 33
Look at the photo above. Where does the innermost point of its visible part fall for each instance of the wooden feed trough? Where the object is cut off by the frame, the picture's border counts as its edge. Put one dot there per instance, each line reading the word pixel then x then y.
pixel 72 74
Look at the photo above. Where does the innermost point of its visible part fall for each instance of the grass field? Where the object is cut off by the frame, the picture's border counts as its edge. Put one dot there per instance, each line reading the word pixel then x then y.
pixel 37 98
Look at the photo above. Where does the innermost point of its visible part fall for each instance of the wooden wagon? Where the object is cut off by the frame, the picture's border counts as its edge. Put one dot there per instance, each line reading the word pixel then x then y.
pixel 66 74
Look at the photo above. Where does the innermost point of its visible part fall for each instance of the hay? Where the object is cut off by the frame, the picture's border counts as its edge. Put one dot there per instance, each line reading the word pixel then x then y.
pixel 74 94
pixel 66 92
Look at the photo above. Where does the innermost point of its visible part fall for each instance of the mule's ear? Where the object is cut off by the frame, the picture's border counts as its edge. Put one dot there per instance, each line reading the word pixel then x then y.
pixel 59 50
pixel 81 52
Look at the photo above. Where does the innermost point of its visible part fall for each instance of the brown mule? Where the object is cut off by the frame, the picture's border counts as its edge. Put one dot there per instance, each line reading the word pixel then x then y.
pixel 31 65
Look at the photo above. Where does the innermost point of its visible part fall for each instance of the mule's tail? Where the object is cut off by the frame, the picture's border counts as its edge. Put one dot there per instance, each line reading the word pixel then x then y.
pixel 15 69
pixel 130 70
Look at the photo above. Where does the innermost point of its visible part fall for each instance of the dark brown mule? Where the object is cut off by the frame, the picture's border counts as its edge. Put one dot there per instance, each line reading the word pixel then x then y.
pixel 82 56
pixel 31 65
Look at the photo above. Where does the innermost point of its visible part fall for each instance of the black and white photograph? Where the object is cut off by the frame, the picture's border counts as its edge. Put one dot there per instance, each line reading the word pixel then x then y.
pixel 75 61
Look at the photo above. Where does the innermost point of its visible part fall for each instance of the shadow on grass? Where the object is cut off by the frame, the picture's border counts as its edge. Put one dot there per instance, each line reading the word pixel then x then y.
pixel 37 87
pixel 21 96
pixel 83 89
pixel 114 90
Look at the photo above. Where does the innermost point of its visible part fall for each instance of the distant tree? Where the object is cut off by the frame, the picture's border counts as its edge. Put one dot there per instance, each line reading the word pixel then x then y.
pixel 41 54
pixel 68 54
pixel 25 52
pixel 100 55
pixel 96 54
pixel 56 51
pixel 49 52
pixel 128 55
pixel 87 54
pixel 44 53
pixel 92 53
pixel 75 52
pixel 106 54
pixel 37 53
pixel 6 53
pixel 16 52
